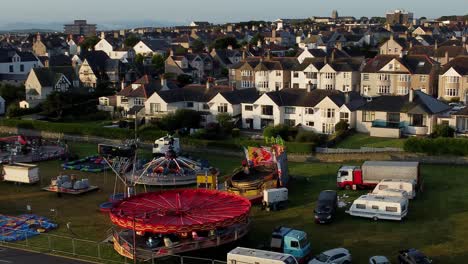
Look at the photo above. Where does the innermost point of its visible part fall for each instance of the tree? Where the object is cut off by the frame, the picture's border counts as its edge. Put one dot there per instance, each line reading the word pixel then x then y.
pixel 89 43
pixel 224 42
pixel 198 45
pixel 225 122
pixel 341 126
pixel 256 38
pixel 158 62
pixel 139 59
pixel 184 79
pixel 443 130
pixel 54 104
pixel 131 41
pixel 12 94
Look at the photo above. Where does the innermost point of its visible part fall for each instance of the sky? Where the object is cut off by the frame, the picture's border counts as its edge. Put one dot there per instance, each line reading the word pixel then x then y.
pixel 181 12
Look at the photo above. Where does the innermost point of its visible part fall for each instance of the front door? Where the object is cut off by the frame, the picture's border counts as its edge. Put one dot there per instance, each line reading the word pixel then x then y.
pixel 249 122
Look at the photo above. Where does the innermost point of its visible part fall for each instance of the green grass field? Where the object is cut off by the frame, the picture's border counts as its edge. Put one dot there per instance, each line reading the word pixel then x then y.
pixel 356 141
pixel 437 222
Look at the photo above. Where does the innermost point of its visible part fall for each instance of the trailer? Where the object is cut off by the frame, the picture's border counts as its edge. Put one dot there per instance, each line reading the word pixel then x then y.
pixel 255 256
pixel 372 172
pixel 21 172
pixel 380 207
pixel 408 186
pixel 275 199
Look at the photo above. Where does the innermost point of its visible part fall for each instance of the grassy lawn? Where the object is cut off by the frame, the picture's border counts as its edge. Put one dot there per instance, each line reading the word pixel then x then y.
pixel 437 222
pixel 362 140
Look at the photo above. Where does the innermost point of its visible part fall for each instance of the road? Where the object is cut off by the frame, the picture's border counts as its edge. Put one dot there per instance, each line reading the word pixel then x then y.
pixel 15 256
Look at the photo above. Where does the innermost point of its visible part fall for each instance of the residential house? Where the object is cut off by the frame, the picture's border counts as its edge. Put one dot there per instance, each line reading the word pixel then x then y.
pixel 393 46
pixel 461 122
pixel 316 110
pixel 397 75
pixel 150 47
pixel 226 57
pixel 97 67
pixel 265 74
pixel 112 48
pixel 50 45
pixel 43 81
pixel 197 65
pixel 395 115
pixel 230 102
pixel 15 65
pixel 441 54
pixel 453 80
pixel 328 74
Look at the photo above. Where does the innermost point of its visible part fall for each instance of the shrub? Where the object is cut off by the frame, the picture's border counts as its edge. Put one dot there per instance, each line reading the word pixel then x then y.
pixel 278 130
pixel 308 136
pixel 437 146
pixel 235 133
pixel 341 126
pixel 443 130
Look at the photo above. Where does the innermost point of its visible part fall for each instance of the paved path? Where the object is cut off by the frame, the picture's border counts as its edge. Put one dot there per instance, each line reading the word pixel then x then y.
pixel 15 256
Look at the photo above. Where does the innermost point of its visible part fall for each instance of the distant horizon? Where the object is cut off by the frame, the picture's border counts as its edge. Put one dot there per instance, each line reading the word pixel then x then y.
pixel 182 12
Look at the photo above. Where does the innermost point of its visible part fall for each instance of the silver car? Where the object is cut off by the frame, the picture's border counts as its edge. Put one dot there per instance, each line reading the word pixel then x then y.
pixel 332 256
pixel 379 260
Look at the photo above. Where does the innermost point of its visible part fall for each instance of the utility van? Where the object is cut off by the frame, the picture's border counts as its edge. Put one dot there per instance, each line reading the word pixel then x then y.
pixel 380 207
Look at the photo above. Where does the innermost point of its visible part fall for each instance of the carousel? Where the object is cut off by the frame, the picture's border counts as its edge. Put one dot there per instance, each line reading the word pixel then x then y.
pixel 157 224
pixel 172 170
pixel 264 168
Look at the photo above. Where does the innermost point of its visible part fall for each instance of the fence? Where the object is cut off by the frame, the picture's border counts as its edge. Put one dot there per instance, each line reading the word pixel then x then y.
pixel 360 150
pixel 87 250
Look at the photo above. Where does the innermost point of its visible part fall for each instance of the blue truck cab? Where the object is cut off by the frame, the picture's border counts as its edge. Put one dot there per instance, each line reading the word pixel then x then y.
pixel 291 241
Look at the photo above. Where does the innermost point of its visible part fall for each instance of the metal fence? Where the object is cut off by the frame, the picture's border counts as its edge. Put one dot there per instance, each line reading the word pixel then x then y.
pixel 360 150
pixel 87 250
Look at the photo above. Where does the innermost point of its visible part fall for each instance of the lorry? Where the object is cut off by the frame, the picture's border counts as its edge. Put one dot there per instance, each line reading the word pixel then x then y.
pixel 21 173
pixel 291 241
pixel 256 256
pixel 162 145
pixel 275 199
pixel 372 172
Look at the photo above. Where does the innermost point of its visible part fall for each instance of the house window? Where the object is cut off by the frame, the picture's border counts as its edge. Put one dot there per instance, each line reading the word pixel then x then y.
pixel 124 100
pixel 206 107
pixel 391 209
pixel 328 128
pixel 278 73
pixel 402 90
pixel 404 77
pixel 310 123
pixel 248 108
pixel 311 75
pixel 309 111
pixel 295 85
pixel 361 206
pixel 277 86
pixel 328 86
pixel 422 78
pixel 368 116
pixel 189 104
pixel 346 75
pixel 290 122
pixel 346 88
pixel 384 89
pixel 393 119
pixel 155 108
pixel 139 101
pixel 263 85
pixel 246 73
pixel 365 76
pixel 267 110
pixel 329 75
pixel 222 108
pixel 328 113
pixel 453 79
pixel 390 66
pixel 417 120
pixel 451 91
pixel 22 68
pixel 289 110
pixel 384 77
pixel 12 69
pixel 296 74
pixel 246 84
pixel 344 117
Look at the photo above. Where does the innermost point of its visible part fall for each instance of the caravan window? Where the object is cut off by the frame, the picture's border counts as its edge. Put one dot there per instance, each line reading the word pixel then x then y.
pixel 383 187
pixel 391 209
pixel 376 207
pixel 361 206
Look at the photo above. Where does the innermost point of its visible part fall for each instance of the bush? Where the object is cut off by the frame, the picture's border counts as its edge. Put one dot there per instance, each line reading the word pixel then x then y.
pixel 278 130
pixel 235 133
pixel 341 126
pixel 437 146
pixel 308 136
pixel 443 130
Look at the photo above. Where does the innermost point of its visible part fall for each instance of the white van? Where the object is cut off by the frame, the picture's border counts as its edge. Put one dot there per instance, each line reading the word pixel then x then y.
pixel 380 207
pixel 406 185
pixel 241 255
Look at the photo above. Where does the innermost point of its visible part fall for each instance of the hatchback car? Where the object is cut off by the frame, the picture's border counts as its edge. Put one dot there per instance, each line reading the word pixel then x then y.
pixel 335 256
pixel 379 260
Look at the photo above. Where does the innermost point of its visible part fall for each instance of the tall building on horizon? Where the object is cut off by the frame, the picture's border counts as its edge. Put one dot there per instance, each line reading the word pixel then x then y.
pixel 80 27
pixel 401 17
pixel 334 14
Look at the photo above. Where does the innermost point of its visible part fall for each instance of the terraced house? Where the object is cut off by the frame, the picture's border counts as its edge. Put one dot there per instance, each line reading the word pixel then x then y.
pixel 397 75
pixel 265 74
pixel 453 80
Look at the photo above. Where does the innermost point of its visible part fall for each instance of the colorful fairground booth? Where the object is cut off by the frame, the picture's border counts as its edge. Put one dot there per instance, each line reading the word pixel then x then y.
pixel 157 224
pixel 265 167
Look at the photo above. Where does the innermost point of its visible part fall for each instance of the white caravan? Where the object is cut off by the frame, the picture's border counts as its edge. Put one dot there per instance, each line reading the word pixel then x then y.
pixel 241 255
pixel 379 207
pixel 391 193
pixel 21 172
pixel 399 184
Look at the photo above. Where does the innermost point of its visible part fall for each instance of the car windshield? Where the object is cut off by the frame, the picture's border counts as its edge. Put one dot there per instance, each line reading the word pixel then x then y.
pixel 323 209
pixel 322 257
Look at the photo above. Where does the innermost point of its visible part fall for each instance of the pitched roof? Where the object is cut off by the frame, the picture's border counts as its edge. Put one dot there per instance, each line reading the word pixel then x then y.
pixel 191 92
pixel 48 77
pixel 6 55
pixel 302 97
pixel 247 96
pixel 416 64
pixel 459 64
pixel 145 87
pixel 156 44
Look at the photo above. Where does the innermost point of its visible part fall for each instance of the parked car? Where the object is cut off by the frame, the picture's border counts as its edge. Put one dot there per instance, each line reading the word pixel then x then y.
pixel 379 260
pixel 413 256
pixel 326 207
pixel 335 256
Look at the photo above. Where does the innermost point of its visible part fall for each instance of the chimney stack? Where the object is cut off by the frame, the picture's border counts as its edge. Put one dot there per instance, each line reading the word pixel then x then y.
pixel 446 56
pixel 208 83
pixel 268 54
pixel 163 81
pixel 244 55
pixel 411 95
pixel 347 99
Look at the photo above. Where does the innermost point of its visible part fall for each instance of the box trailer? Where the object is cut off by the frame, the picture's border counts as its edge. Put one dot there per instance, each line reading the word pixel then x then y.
pixel 21 172
pixel 380 207
pixel 275 199
pixel 242 255
pixel 372 172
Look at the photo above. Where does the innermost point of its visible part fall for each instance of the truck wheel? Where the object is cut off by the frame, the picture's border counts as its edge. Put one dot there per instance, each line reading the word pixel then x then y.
pixel 375 218
pixel 347 187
